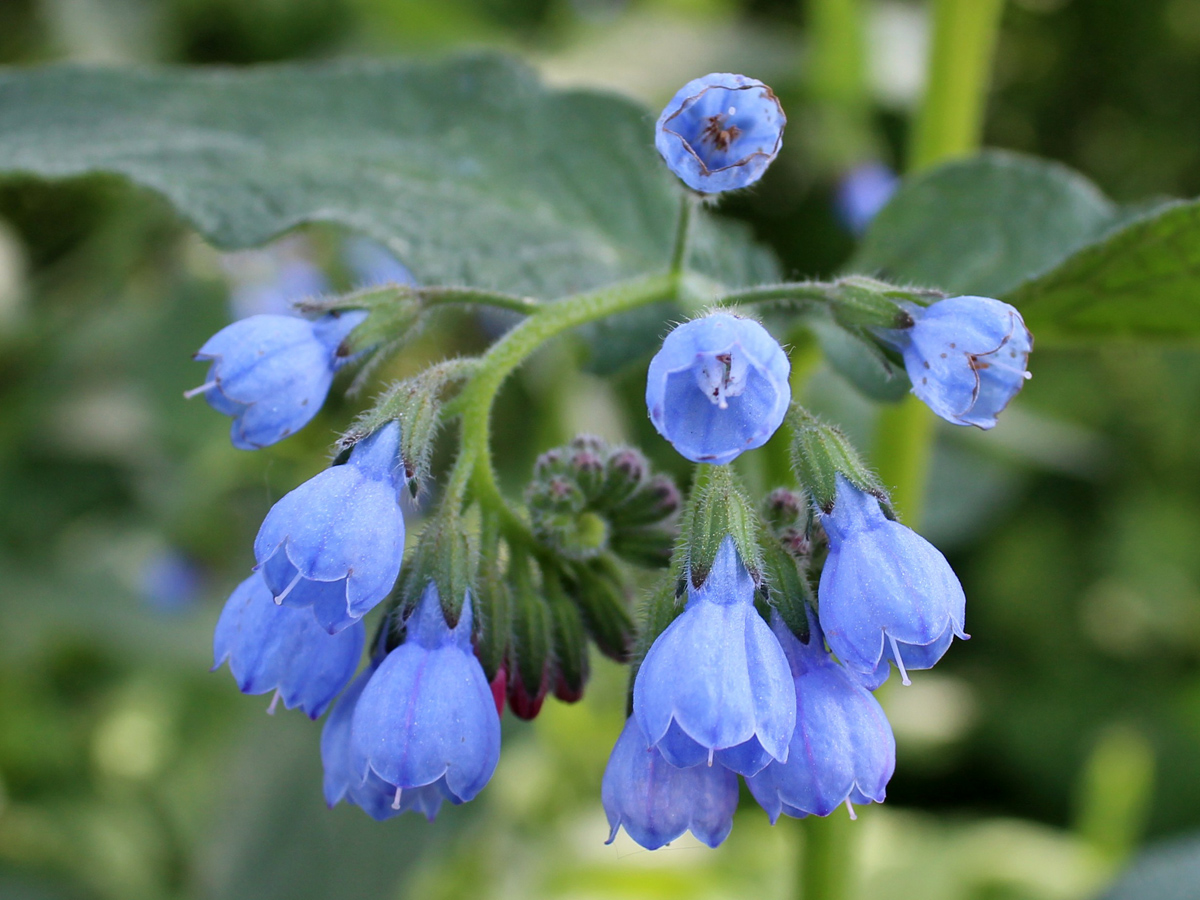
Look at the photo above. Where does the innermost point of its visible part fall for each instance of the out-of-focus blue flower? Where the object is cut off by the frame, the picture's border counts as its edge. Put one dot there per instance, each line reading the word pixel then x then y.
pixel 720 132
pixel 862 193
pixel 276 648
pixel 656 802
pixel 342 779
pixel 272 373
pixel 715 685
pixel 718 386
pixel 373 264
pixel 335 543
pixel 169 581
pixel 966 357
pixel 842 751
pixel 289 279
pixel 885 591
pixel 427 718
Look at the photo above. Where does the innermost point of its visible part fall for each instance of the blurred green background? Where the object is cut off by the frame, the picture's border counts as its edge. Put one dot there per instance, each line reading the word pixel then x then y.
pixel 1032 764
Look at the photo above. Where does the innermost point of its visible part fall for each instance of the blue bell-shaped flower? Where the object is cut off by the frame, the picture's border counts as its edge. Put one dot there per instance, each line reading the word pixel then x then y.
pixel 272 373
pixel 719 386
pixel 335 543
pixel 843 750
pixel 715 685
pixel 277 648
pixel 656 802
pixel 885 591
pixel 343 780
pixel 720 132
pixel 427 718
pixel 966 357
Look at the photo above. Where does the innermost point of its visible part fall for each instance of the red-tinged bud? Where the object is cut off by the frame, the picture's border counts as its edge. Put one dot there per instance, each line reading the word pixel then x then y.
pixel 499 688
pixel 523 704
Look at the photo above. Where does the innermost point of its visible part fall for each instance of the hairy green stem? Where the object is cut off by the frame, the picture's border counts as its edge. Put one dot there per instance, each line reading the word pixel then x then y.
pixel 683 225
pixel 439 296
pixel 473 468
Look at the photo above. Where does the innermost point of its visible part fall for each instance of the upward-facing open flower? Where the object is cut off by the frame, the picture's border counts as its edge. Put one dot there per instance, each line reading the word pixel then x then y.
pixel 272 373
pixel 343 780
pixel 719 386
pixel 885 591
pixel 427 717
pixel 720 132
pixel 279 648
pixel 656 802
pixel 335 543
pixel 966 357
pixel 842 751
pixel 715 686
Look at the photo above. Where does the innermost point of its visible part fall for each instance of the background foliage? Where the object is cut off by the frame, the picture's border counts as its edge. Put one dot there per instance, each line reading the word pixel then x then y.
pixel 1031 764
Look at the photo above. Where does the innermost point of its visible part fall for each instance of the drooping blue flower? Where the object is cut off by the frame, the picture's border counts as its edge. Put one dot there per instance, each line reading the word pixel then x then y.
pixel 718 386
pixel 715 685
pixel 862 193
pixel 342 779
pixel 842 751
pixel 427 718
pixel 272 373
pixel 720 132
pixel 885 592
pixel 277 648
pixel 966 357
pixel 656 802
pixel 335 543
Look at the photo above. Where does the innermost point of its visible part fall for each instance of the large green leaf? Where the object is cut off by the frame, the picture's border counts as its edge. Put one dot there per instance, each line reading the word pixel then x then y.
pixel 1140 280
pixel 983 225
pixel 469 169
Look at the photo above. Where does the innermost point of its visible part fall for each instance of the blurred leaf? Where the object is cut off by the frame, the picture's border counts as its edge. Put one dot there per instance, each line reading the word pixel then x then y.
pixel 1170 872
pixel 860 363
pixel 468 169
pixel 1142 280
pixel 983 225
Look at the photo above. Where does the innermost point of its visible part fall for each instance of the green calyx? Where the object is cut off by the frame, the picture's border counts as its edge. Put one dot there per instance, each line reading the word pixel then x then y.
pixel 443 556
pixel 821 452
pixel 718 508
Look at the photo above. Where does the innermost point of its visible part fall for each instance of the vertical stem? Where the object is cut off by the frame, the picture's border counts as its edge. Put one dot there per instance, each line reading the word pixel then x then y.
pixel 687 202
pixel 837 79
pixel 949 124
pixel 828 863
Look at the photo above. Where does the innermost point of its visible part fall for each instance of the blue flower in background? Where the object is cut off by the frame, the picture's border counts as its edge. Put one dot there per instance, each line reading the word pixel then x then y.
pixel 272 373
pixel 715 685
pixel 862 193
pixel 717 387
pixel 966 357
pixel 885 591
pixel 343 781
pixel 272 279
pixel 169 581
pixel 842 751
pixel 427 718
pixel 373 264
pixel 720 132
pixel 277 648
pixel 656 802
pixel 335 543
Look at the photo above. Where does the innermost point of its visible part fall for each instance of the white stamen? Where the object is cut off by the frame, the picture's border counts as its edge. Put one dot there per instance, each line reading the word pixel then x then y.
pixel 274 703
pixel 722 375
pixel 850 807
pixel 287 590
pixel 396 799
pixel 188 395
pixel 899 662
pixel 710 757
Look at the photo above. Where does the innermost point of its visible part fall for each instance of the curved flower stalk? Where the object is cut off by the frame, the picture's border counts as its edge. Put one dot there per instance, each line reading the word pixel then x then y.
pixel 885 592
pixel 842 751
pixel 718 387
pixel 715 686
pixel 281 649
pixel 656 802
pixel 335 543
pixel 720 132
pixel 427 718
pixel 272 373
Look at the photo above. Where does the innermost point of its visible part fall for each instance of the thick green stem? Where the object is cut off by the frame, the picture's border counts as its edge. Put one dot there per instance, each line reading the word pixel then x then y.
pixel 949 124
pixel 827 865
pixel 474 465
